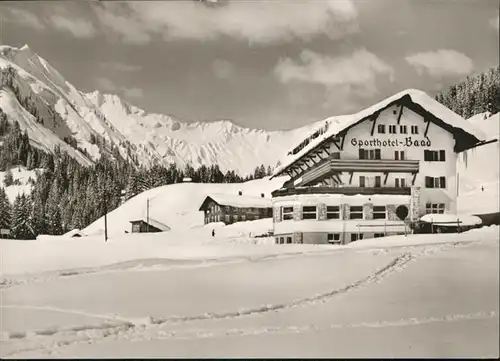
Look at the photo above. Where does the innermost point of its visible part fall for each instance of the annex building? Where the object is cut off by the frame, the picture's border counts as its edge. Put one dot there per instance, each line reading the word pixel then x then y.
pixel 372 173
pixel 232 208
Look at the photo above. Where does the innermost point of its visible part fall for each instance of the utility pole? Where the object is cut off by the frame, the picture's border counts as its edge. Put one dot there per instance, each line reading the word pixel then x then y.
pixel 105 218
pixel 147 215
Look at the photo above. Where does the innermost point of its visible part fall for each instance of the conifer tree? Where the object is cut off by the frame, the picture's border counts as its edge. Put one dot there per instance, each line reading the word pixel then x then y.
pixel 21 222
pixel 5 210
pixel 8 179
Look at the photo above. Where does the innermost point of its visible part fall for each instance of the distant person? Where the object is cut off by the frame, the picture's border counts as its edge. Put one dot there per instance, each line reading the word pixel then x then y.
pixel 482 188
pixel 213 232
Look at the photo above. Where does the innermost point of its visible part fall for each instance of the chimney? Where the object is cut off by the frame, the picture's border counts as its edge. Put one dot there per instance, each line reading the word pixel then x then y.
pixel 240 193
pixel 262 195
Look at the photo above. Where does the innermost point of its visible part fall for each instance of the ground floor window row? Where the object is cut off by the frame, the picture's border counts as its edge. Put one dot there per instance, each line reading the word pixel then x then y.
pixel 333 212
pixel 352 212
pixel 333 238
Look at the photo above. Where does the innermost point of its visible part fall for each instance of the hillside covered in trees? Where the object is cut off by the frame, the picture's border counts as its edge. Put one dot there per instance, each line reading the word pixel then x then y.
pixel 68 195
pixel 474 95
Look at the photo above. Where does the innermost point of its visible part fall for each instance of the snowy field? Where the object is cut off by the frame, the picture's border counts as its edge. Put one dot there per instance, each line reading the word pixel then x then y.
pixel 189 295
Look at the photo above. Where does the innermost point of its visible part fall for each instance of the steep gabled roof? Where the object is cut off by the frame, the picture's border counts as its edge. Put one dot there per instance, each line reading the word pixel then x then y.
pixel 421 100
pixel 237 201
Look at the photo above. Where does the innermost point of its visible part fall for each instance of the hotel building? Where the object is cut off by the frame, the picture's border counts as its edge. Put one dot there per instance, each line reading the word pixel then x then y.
pixel 372 173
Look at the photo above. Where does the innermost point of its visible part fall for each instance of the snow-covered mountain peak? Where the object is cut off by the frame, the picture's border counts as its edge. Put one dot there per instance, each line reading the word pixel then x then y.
pixel 148 137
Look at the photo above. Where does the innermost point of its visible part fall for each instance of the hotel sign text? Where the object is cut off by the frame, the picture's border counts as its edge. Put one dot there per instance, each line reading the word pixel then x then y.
pixel 406 142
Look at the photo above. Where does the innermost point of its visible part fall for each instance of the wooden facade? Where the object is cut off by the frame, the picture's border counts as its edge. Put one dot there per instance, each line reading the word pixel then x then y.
pixel 230 213
pixel 142 226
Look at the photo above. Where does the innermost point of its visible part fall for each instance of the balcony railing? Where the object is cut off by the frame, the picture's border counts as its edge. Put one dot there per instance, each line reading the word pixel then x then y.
pixel 332 166
pixel 350 191
pixel 375 165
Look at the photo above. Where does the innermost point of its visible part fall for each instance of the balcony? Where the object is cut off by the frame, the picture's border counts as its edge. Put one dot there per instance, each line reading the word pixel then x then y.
pixel 375 165
pixel 348 191
pixel 331 166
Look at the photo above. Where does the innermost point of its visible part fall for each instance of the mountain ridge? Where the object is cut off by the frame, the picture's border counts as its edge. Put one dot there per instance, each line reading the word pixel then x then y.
pixel 152 138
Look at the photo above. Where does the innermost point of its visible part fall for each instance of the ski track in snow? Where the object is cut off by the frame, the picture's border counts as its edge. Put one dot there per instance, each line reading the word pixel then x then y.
pixel 137 265
pixel 47 341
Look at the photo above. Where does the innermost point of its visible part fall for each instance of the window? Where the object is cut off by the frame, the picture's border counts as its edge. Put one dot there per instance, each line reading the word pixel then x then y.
pixel 414 129
pixel 381 128
pixel 235 218
pixel 379 212
pixel 400 182
pixel 435 182
pixel 434 155
pixel 288 240
pixel 378 181
pixel 402 129
pixel 356 236
pixel 356 212
pixel 333 238
pixel 243 217
pixel 287 213
pixel 434 208
pixel 362 181
pixel 399 155
pixel 282 240
pixel 335 155
pixel 226 218
pixel 369 154
pixel 378 235
pixel 333 212
pixel 392 129
pixel 309 212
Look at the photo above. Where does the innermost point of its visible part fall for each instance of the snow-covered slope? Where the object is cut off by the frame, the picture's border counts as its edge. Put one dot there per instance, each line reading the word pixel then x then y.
pixel 21 177
pixel 176 205
pixel 153 138
pixel 479 170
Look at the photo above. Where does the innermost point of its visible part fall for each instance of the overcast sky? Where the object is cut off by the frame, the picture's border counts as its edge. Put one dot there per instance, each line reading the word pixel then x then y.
pixel 275 64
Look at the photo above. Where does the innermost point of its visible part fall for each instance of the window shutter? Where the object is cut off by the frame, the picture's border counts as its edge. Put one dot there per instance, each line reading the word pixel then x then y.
pixel 443 182
pixel 426 156
pixel 361 154
pixel 442 154
pixel 377 153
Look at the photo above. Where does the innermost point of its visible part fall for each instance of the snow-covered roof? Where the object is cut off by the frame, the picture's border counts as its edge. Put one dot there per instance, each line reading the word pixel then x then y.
pixel 334 125
pixel 445 219
pixel 74 232
pixel 239 201
pixel 154 223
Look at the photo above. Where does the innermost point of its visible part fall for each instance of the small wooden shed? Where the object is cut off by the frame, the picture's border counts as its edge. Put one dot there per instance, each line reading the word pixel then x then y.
pixel 148 226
